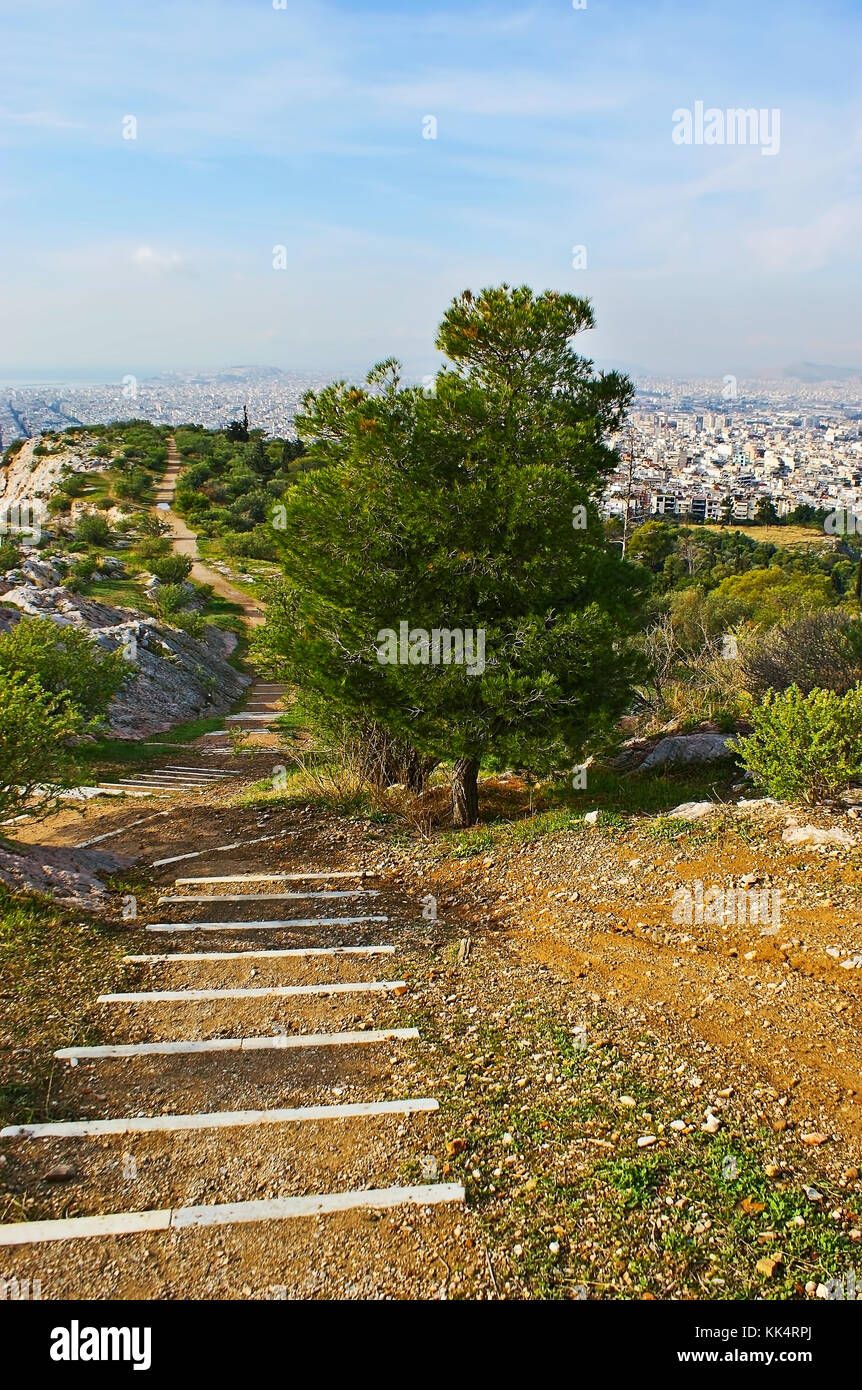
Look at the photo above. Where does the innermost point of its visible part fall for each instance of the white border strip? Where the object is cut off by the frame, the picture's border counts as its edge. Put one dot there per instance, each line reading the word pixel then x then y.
pixel 263 926
pixel 263 955
pixel 142 820
pixel 277 1041
pixel 271 878
pixel 228 1213
pixel 206 772
pixel 174 996
pixel 218 1119
pixel 220 849
pixel 265 897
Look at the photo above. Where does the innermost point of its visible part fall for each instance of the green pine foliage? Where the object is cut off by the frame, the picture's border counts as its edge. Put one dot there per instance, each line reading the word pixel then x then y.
pixel 455 509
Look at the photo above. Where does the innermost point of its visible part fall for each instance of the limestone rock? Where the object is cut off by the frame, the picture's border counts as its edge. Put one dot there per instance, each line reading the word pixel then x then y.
pixel 684 749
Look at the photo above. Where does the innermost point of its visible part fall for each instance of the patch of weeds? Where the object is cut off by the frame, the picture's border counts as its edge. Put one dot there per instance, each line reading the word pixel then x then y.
pixel 466 843
pixel 53 964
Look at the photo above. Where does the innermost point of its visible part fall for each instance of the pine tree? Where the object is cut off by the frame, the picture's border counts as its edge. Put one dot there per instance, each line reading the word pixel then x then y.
pixel 474 509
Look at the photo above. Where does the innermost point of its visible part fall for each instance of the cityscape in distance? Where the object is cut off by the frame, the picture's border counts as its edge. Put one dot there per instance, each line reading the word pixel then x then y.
pixel 695 448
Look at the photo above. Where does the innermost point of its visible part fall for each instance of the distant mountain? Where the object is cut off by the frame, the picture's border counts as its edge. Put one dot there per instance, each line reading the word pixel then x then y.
pixel 816 371
pixel 226 376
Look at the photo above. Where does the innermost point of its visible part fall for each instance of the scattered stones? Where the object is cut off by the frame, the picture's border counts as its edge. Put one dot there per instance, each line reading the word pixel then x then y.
pixel 693 810
pixel 62 1172
pixel 814 835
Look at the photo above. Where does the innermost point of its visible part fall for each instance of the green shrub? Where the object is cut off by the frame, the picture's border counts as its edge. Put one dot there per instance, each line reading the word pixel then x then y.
pixel 81 573
pixel 191 623
pixel 170 599
pixel 133 486
pixel 10 555
pixel 150 548
pixel 807 746
pixel 74 484
pixel 65 662
pixel 171 569
pixel 93 529
pixel 35 763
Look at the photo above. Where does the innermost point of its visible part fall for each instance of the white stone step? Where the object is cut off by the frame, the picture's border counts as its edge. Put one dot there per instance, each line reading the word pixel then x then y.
pixel 109 834
pixel 277 1041
pixel 262 955
pixel 228 1213
pixel 217 1119
pixel 165 779
pixel 263 926
pixel 274 877
pixel 179 996
pixel 221 849
pixel 207 771
pixel 267 897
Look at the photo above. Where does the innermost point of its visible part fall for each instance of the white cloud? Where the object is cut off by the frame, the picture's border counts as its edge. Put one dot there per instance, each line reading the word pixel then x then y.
pixel 151 259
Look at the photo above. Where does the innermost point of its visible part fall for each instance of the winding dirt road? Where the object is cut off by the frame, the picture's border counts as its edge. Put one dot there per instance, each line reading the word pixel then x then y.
pixel 185 542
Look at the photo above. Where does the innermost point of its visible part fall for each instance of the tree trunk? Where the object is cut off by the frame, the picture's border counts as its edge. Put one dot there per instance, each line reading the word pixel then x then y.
pixel 465 791
pixel 417 770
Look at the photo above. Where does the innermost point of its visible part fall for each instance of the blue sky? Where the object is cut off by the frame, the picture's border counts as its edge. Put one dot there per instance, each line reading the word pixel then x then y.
pixel 302 127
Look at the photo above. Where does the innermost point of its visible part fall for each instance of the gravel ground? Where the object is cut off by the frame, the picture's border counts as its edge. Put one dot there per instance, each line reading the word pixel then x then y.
pixel 638 1109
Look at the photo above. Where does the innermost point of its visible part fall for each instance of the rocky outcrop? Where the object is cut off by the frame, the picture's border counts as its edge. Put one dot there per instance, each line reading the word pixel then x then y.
pixel 174 677
pixel 72 877
pixel 682 750
pixel 31 477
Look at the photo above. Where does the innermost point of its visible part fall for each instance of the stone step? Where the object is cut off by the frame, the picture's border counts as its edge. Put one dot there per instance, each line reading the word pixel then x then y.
pixel 298 952
pixel 217 1119
pixel 263 926
pixel 229 1213
pixel 326 894
pixel 255 1044
pixel 174 996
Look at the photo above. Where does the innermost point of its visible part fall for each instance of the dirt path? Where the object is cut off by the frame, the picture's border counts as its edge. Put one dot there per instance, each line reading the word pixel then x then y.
pixel 185 542
pixel 593 1077
pixel 289 1168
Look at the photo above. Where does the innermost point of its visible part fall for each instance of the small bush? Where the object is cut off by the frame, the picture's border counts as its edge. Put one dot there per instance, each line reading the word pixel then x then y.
pixel 807 746
pixel 151 548
pixel 171 569
pixel 10 555
pixel 820 650
pixel 169 600
pixel 35 763
pixel 94 530
pixel 65 662
pixel 81 573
